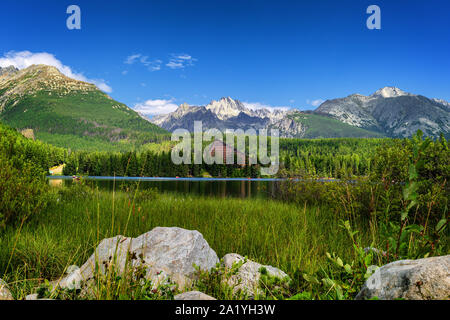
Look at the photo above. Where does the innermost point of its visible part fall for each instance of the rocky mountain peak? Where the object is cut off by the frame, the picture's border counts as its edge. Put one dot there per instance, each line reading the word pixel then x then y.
pixel 226 108
pixel 390 92
pixel 183 109
pixel 184 106
pixel 392 111
pixel 443 102
pixel 8 70
pixel 37 78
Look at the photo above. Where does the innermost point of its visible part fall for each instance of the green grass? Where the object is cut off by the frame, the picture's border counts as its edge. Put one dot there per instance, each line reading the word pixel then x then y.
pixel 270 232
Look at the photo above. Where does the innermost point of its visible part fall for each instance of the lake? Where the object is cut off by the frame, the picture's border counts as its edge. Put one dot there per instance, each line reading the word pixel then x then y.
pixel 216 187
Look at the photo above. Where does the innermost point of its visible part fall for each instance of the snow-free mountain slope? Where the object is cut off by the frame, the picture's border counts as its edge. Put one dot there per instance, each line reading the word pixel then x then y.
pixel 391 111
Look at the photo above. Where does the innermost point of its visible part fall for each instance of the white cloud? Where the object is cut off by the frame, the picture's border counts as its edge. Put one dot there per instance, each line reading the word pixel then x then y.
pixel 24 59
pixel 180 61
pixel 174 65
pixel 176 61
pixel 100 84
pixel 184 57
pixel 258 105
pixel 315 103
pixel 155 107
pixel 132 59
pixel 152 65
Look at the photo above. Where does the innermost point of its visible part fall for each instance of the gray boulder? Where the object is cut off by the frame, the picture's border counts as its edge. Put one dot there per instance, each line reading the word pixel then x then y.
pixel 166 253
pixel 247 278
pixel 422 279
pixel 193 295
pixel 5 294
pixel 174 251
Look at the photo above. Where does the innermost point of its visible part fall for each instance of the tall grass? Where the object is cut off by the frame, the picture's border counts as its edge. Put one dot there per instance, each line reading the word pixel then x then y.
pixel 284 235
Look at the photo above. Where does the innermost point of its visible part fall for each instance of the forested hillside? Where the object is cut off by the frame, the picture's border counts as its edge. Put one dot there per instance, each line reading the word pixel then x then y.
pixel 70 113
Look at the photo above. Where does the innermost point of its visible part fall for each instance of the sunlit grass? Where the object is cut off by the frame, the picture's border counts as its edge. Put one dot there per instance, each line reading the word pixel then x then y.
pixel 284 235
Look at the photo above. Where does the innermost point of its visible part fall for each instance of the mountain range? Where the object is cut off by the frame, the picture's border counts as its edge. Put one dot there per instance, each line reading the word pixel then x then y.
pixel 228 113
pixel 74 114
pixel 388 112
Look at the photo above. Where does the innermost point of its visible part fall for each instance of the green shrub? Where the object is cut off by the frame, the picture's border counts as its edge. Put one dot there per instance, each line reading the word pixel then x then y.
pixel 23 191
pixel 430 158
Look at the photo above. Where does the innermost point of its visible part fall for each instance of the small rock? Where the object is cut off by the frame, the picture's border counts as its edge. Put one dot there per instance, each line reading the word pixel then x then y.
pixel 247 277
pixel 5 294
pixel 193 295
pixel 422 279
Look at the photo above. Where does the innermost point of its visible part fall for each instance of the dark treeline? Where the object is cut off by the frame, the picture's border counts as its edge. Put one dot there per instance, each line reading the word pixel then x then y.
pixel 148 164
pixel 334 158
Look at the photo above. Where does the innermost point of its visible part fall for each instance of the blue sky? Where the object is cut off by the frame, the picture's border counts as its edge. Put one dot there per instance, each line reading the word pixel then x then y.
pixel 158 54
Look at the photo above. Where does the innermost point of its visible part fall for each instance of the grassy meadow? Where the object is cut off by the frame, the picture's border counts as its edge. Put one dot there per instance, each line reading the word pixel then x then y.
pixel 272 232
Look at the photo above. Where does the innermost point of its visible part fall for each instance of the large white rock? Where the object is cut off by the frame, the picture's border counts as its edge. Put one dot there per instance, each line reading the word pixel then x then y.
pixel 165 253
pixel 174 251
pixel 193 295
pixel 246 279
pixel 5 294
pixel 421 279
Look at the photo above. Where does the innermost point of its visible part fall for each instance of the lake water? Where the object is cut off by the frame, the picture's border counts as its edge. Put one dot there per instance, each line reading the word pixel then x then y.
pixel 217 187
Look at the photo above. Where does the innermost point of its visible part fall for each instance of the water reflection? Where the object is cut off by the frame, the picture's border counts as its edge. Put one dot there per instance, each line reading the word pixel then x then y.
pixel 258 188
